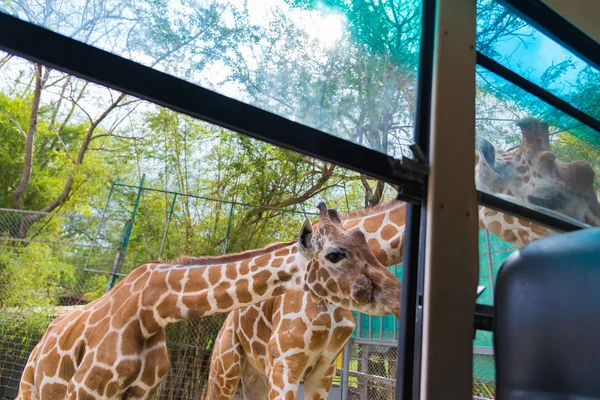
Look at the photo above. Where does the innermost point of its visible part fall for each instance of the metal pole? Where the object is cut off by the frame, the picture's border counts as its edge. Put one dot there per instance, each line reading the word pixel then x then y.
pixel 123 250
pixel 408 370
pixel 237 203
pixel 490 263
pixel 162 244
pixel 102 217
pixel 228 229
pixel 408 349
pixel 345 370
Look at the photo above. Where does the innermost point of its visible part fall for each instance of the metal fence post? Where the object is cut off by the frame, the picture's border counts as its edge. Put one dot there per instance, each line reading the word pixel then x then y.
pixel 162 244
pixel 120 258
pixel 102 217
pixel 490 262
pixel 345 370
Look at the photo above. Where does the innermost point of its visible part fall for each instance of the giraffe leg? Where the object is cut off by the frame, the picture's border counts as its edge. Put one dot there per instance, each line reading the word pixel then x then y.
pixel 226 363
pixel 254 383
pixel 154 367
pixel 284 377
pixel 318 383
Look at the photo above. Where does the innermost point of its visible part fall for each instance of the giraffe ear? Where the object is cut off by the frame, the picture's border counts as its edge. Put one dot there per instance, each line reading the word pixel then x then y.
pixel 487 150
pixel 306 233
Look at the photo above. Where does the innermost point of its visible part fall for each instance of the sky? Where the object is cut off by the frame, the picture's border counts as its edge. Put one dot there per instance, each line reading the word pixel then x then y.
pixel 531 56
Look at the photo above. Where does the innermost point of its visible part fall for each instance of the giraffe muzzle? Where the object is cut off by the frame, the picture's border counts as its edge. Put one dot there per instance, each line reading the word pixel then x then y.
pixel 362 290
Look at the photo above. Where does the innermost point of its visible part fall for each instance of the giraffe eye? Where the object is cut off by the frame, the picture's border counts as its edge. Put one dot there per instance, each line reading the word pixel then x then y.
pixel 335 256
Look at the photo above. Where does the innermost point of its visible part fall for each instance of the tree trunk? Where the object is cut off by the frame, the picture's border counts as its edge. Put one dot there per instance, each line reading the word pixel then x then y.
pixel 372 198
pixel 19 192
pixel 30 219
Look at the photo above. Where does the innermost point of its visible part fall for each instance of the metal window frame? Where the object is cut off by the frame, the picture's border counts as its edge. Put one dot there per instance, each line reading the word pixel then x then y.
pixel 44 46
pixel 408 371
pixel 539 92
pixel 556 27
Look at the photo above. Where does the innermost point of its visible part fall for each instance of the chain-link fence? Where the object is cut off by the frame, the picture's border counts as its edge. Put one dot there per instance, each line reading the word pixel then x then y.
pixel 371 368
pixel 41 276
pixel 484 377
pixel 52 262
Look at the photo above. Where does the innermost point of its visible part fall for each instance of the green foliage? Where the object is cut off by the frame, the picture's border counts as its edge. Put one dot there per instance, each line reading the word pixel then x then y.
pixel 34 276
pixel 360 86
pixel 13 117
pixel 24 328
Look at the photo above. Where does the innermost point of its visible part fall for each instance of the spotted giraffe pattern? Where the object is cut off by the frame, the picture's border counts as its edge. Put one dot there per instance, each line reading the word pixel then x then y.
pixel 383 227
pixel 273 345
pixel 114 347
pixel 516 231
pixel 533 175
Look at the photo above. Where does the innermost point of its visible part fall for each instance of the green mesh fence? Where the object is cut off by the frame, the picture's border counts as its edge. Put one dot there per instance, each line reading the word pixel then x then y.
pixel 374 327
pixel 492 253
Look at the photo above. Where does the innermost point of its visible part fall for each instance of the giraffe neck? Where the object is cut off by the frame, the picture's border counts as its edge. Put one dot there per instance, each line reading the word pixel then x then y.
pixel 179 291
pixel 383 227
pixel 508 228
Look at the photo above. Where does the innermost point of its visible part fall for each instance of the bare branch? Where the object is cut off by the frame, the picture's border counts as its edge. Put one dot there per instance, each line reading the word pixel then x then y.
pixel 72 110
pixel 314 189
pixel 14 121
pixel 93 126
pixel 59 103
pixel 4 60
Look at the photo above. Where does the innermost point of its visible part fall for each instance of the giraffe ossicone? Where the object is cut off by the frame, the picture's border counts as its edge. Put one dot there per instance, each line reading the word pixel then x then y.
pixel 114 347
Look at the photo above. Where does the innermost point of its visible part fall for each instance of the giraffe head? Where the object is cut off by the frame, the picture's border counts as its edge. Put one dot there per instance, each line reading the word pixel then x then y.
pixel 534 175
pixel 344 270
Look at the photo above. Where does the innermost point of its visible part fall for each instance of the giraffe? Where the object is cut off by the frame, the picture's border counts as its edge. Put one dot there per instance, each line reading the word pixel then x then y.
pixel 114 347
pixel 320 330
pixel 533 176
pixel 261 344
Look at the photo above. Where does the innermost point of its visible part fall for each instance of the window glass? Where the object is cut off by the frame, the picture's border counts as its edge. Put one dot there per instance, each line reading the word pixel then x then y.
pixel 346 68
pixel 116 182
pixel 492 253
pixel 534 153
pixel 518 46
pixel 528 151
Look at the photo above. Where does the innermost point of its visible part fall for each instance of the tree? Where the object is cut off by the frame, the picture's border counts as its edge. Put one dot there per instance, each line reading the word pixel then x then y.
pixel 56 125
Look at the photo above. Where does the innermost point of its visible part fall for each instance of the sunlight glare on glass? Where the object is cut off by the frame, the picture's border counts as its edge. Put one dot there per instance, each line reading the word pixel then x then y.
pixel 321 24
pixel 326 28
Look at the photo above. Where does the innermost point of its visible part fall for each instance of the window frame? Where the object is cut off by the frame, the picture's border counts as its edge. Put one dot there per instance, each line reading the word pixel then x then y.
pixel 40 45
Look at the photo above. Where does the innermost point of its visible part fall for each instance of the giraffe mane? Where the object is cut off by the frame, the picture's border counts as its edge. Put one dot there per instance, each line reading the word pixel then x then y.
pixel 229 258
pixel 370 210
